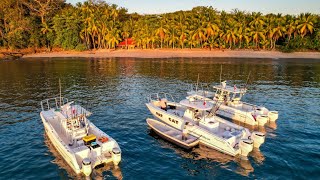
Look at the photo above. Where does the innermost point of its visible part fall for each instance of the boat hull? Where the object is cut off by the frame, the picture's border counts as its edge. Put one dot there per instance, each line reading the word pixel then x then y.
pixel 64 152
pixel 237 115
pixel 207 138
pixel 170 139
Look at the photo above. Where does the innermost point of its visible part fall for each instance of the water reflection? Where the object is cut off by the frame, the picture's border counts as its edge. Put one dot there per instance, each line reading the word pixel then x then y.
pixel 202 152
pixel 116 89
pixel 257 156
pixel 101 172
pixel 60 161
pixel 272 125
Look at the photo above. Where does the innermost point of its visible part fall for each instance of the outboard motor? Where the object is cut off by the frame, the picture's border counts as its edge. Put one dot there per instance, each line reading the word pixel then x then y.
pixel 262 119
pixel 86 167
pixel 258 138
pixel 116 156
pixel 273 115
pixel 246 146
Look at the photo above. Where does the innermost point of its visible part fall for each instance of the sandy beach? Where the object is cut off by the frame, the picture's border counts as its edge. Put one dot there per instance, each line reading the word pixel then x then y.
pixel 169 53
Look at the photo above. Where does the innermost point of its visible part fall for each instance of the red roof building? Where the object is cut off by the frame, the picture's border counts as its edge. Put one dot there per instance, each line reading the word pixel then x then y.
pixel 130 42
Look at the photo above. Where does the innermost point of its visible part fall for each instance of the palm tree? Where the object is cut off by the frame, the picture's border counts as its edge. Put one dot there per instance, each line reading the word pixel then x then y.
pixel 161 32
pixel 278 31
pixel 257 34
pixel 305 24
pixel 290 27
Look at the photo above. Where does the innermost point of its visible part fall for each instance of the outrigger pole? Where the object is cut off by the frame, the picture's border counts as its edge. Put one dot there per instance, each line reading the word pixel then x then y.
pixel 60 91
pixel 220 72
pixel 197 83
pixel 247 80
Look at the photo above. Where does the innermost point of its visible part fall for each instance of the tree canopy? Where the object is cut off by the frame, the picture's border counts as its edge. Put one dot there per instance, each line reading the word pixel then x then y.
pixel 95 24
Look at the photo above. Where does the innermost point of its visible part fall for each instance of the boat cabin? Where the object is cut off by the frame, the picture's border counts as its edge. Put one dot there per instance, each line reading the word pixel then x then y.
pixel 68 119
pixel 196 109
pixel 227 93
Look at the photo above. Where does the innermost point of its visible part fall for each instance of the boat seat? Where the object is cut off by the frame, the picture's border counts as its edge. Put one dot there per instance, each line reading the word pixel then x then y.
pixel 236 133
pixel 226 134
pixel 79 133
pixel 156 103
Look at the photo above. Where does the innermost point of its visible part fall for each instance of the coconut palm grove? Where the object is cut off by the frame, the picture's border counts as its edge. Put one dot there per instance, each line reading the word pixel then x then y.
pixel 99 25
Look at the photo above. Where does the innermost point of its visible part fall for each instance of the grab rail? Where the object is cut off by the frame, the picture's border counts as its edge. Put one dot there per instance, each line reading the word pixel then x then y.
pixel 159 95
pixel 56 101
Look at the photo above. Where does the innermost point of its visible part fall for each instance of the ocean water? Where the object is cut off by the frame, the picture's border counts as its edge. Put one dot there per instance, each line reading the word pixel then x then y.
pixel 116 91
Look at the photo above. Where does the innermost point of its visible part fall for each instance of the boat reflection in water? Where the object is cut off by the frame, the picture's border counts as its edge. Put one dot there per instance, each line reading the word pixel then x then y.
pixel 272 125
pixel 66 172
pixel 257 156
pixel 236 164
pixel 100 173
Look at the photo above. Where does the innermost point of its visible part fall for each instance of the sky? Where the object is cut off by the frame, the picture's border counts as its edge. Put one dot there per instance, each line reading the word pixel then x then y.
pixel 264 6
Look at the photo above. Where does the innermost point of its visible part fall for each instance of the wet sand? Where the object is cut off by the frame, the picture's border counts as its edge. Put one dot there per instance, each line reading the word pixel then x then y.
pixel 169 53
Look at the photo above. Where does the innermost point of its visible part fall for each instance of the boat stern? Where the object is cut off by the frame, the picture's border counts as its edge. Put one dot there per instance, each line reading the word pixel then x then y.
pixel 116 156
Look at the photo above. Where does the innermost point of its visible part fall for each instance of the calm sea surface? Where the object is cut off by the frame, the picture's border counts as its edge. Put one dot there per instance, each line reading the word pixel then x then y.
pixel 116 91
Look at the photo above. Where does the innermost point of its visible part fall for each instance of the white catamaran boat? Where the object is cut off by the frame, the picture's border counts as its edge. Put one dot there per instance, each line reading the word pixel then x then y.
pixel 232 107
pixel 199 119
pixel 82 145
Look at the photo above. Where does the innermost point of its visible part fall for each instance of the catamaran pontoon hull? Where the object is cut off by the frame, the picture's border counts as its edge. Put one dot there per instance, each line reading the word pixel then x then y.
pixel 253 117
pixel 81 144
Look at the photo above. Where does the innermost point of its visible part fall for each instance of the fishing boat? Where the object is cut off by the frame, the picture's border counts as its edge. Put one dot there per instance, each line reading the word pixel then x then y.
pixel 171 134
pixel 81 144
pixel 199 118
pixel 233 108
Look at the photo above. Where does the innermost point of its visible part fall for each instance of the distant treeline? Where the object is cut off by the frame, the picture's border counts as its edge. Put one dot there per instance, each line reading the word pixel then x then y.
pixel 96 24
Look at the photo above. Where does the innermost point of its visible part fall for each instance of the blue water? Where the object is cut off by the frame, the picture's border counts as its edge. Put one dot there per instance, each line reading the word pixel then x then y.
pixel 116 91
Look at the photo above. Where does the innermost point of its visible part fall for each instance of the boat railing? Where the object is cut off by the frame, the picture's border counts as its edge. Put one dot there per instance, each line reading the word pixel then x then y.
pixel 157 96
pixel 200 86
pixel 51 103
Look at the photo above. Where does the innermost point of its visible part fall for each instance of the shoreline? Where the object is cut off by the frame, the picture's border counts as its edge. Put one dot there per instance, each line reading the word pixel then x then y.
pixel 177 53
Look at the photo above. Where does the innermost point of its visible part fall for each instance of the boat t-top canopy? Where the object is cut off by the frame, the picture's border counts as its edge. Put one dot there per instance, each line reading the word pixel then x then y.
pixel 230 89
pixel 197 104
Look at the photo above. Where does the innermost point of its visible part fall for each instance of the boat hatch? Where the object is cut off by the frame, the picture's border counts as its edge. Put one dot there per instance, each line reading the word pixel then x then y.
pixel 89 139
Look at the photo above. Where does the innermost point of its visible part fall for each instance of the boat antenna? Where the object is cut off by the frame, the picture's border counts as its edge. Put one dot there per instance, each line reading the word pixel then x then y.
pixel 220 72
pixel 247 80
pixel 197 83
pixel 60 91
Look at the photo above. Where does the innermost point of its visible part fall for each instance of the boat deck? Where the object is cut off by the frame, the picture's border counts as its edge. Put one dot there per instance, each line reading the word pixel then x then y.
pixel 176 134
pixel 172 134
